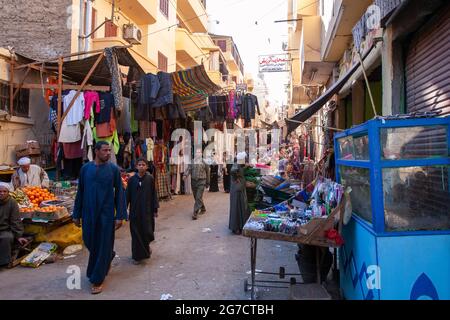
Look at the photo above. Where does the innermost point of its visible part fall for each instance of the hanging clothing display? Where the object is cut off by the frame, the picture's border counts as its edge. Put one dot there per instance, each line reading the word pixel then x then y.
pixel 150 148
pixel 175 110
pixel 73 150
pixel 232 112
pixel 88 141
pixel 165 93
pixel 106 106
pixel 249 107
pixel 76 113
pixel 162 180
pixel 124 119
pixel 116 83
pixel 91 100
pixel 69 133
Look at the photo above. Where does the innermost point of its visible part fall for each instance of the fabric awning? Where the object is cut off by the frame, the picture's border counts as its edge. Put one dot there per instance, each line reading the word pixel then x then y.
pixel 76 70
pixel 307 113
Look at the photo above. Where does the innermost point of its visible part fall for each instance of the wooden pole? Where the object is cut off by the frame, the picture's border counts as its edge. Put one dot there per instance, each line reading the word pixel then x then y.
pixel 86 79
pixel 21 83
pixel 64 87
pixel 69 56
pixel 11 87
pixel 60 80
pixel 367 84
pixel 59 111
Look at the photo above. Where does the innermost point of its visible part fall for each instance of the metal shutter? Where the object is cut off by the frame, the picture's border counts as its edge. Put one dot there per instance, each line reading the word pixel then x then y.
pixel 428 68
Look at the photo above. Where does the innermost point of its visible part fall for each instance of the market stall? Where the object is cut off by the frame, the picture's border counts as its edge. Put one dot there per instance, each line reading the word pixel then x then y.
pixel 398 171
pixel 312 216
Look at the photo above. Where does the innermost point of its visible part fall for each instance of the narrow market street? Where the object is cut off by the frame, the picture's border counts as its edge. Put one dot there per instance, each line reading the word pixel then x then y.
pixel 199 260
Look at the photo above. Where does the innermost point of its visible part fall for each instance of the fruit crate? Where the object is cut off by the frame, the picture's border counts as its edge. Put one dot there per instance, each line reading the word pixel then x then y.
pixel 50 216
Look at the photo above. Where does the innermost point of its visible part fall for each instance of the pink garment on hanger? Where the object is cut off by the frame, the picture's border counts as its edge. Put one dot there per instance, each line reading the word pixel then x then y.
pixel 231 110
pixel 91 97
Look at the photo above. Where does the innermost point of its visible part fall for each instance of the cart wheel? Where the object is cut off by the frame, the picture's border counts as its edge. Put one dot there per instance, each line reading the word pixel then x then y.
pixel 282 272
pixel 246 285
pixel 293 281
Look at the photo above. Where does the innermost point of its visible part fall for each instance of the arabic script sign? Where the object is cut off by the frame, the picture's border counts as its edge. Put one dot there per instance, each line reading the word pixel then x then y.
pixel 274 63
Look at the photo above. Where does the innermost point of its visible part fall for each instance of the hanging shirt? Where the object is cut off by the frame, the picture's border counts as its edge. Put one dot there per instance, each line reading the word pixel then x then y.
pixel 91 98
pixel 75 115
pixel 88 141
pixel 69 134
pixel 106 105
pixel 150 147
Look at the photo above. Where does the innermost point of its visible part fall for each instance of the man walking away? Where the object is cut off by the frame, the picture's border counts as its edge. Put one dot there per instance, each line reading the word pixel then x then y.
pixel 101 205
pixel 143 202
pixel 199 180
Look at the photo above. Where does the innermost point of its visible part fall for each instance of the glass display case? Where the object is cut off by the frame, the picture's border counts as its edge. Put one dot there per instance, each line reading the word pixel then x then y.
pixel 398 173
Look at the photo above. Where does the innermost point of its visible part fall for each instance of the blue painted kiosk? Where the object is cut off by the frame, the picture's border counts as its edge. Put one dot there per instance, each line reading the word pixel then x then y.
pixel 397 241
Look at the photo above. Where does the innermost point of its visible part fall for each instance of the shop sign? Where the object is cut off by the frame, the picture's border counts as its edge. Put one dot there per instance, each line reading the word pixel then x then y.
pixel 274 63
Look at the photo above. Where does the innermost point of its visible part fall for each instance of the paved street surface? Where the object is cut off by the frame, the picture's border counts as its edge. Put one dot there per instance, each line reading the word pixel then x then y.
pixel 189 261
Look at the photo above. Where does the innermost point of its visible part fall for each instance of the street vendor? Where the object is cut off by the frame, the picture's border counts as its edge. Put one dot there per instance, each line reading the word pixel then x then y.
pixel 11 228
pixel 29 175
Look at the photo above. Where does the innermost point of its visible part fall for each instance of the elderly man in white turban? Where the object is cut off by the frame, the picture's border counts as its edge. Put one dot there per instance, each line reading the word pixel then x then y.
pixel 11 228
pixel 29 175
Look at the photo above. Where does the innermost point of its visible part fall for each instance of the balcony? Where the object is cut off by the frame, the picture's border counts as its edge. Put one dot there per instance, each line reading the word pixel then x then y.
pixel 232 64
pixel 188 47
pixel 142 12
pixel 304 8
pixel 193 13
pixel 313 71
pixel 338 25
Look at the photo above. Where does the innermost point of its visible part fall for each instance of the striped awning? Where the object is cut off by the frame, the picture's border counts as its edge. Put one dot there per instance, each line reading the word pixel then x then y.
pixel 193 86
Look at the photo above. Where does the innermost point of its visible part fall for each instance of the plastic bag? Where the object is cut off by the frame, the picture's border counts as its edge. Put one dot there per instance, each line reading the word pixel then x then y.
pixel 348 206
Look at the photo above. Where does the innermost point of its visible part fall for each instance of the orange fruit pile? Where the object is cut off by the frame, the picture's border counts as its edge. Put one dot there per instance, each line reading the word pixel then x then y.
pixel 37 195
pixel 50 209
pixel 27 210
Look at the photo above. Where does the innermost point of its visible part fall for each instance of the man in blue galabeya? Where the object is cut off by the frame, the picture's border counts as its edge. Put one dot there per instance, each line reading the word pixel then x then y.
pixel 100 208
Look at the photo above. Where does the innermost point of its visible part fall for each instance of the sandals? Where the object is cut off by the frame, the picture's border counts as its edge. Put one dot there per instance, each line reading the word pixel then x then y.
pixel 96 289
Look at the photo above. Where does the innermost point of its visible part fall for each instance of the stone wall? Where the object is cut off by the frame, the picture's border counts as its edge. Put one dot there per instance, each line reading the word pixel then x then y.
pixel 39 29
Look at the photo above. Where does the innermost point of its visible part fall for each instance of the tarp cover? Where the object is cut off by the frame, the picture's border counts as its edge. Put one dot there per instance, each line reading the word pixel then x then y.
pixel 76 70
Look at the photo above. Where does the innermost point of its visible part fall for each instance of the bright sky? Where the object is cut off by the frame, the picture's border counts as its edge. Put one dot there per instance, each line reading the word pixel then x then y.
pixel 237 19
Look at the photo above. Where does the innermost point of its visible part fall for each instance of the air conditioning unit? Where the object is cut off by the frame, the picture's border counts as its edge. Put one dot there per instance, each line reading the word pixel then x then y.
pixel 132 34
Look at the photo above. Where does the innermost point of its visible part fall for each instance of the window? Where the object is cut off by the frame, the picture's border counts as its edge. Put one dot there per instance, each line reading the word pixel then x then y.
pixel 354 148
pixel 414 142
pixel 21 102
pixel 359 180
pixel 416 198
pixel 222 44
pixel 110 29
pixel 162 62
pixel 164 7
pixel 93 21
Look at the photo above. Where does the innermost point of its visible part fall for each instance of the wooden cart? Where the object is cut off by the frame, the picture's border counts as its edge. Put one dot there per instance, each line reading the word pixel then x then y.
pixel 313 233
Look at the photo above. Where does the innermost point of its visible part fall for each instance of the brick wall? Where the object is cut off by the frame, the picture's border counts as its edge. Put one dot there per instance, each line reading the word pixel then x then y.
pixel 38 28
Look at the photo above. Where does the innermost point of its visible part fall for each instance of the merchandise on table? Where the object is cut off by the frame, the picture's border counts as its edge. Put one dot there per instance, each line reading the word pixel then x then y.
pixel 289 218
